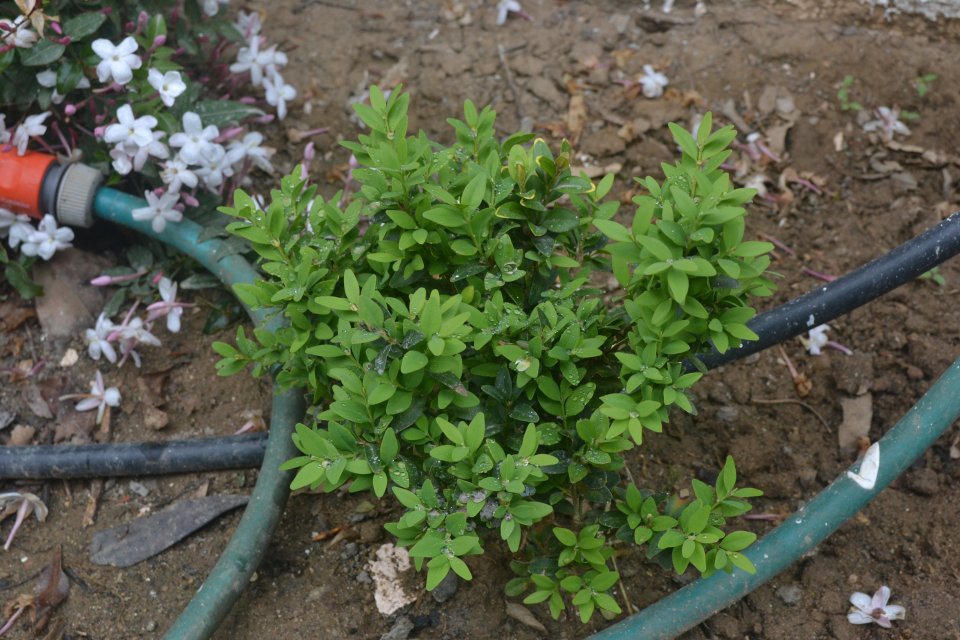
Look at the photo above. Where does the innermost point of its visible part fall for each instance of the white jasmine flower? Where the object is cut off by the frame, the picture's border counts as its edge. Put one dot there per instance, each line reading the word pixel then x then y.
pixel 99 398
pixel 215 169
pixel 32 126
pixel 4 134
pixel 97 339
pixel 169 84
pixel 168 306
pixel 19 229
pixel 28 502
pixel 278 92
pixel 134 333
pixel 247 61
pixel 875 609
pixel 248 23
pixel 196 141
pixel 505 8
pixel 159 210
pixel 887 123
pixel 653 82
pixel 128 156
pixel 249 148
pixel 48 79
pixel 818 339
pixel 117 61
pixel 22 35
pixel 138 131
pixel 7 219
pixel 47 239
pixel 177 175
pixel 211 7
pixel 260 64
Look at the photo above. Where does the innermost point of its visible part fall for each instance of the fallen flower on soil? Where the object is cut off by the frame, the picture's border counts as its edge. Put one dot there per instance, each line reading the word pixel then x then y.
pixel 818 339
pixel 875 609
pixel 168 306
pixel 653 82
pixel 99 398
pixel 887 123
pixel 27 503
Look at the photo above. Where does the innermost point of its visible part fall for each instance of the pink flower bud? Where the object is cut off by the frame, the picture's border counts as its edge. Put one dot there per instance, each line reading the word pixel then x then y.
pixel 130 26
pixel 189 200
pixel 70 109
pixel 106 11
pixel 142 21
pixel 56 28
pixel 247 100
pixel 156 279
pixel 98 132
pixel 159 41
pixel 102 281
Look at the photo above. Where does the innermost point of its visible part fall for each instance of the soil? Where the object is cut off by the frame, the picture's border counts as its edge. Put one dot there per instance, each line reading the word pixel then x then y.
pixel 768 67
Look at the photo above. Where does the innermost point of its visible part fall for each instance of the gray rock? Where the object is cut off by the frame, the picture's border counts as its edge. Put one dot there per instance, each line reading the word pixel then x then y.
pixel 364 578
pixel 400 630
pixel 727 414
pixel 790 594
pixel 922 482
pixel 349 550
pixel 446 589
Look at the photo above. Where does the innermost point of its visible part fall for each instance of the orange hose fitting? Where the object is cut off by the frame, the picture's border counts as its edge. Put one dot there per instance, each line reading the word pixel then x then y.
pixel 21 181
pixel 35 184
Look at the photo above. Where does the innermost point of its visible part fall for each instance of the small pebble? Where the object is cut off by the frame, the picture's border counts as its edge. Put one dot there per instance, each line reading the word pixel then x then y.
pixel 790 594
pixel 400 631
pixel 151 625
pixel 727 414
pixel 139 489
pixel 446 589
pixel 364 578
pixel 349 550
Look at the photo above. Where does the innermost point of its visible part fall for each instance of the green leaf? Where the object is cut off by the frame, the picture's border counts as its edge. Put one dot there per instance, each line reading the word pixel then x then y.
pixel 389 446
pixel 83 25
pixel 566 537
pixel 472 195
pixel 445 216
pixel 684 140
pixel 656 247
pixel 738 540
pixel 41 54
pixel 412 361
pixel 678 284
pixel 224 112
pixel 613 230
pixel 741 561
pixel 460 568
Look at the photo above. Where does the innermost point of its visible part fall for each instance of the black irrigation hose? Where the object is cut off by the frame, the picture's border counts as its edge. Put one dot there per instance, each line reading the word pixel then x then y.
pixel 903 264
pixel 132 458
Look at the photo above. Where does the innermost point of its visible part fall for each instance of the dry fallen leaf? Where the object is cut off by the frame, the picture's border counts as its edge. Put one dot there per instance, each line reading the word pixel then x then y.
pixel 857 416
pixel 522 614
pixel 52 588
pixel 576 117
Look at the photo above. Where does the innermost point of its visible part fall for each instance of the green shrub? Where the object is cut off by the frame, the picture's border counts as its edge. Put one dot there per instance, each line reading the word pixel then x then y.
pixel 459 356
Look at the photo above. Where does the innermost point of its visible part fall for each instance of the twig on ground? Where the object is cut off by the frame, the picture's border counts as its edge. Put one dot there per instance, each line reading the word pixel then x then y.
pixel 792 401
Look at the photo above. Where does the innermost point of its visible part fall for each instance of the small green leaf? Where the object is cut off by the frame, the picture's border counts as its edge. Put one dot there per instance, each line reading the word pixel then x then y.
pixel 412 361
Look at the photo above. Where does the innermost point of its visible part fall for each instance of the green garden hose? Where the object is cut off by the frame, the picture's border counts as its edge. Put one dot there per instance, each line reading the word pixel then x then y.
pixel 802 531
pixel 246 548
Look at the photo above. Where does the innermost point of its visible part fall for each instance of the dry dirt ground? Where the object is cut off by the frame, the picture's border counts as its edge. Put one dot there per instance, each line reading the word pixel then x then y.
pixel 837 198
